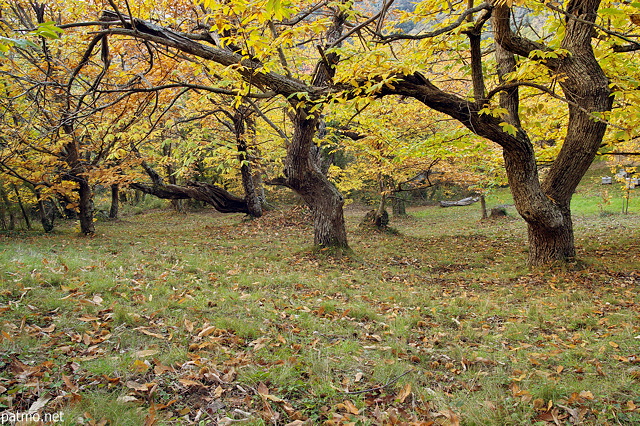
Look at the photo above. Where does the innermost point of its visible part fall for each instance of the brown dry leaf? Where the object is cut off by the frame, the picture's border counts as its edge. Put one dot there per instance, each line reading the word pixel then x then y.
pixel 635 18
pixel 146 353
pixel 49 329
pixel 348 405
pixel 218 392
pixel 150 333
pixel 188 325
pixel 88 318
pixel 453 418
pixel 207 331
pixel 139 387
pixel 404 393
pixel 161 368
pixel 587 395
pixel 39 404
pixel 539 404
pixel 191 383
pixel 127 398
pixel 263 389
pixel 273 398
pixel 69 383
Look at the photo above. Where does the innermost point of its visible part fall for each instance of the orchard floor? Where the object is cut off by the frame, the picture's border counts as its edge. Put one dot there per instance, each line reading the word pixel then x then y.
pixel 164 318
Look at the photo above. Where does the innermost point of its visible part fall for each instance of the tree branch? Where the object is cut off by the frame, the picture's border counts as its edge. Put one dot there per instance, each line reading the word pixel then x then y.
pixel 633 45
pixel 450 27
pixel 512 42
pixel 514 84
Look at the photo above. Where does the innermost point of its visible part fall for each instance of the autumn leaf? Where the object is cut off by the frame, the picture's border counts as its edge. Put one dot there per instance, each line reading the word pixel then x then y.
pixel 140 387
pixel 404 393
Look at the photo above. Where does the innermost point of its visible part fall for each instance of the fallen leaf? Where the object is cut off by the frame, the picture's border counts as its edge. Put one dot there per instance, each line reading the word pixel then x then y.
pixel 263 389
pixel 191 383
pixel 207 331
pixel 88 318
pixel 150 333
pixel 140 367
pixel 218 392
pixel 127 398
pixel 39 404
pixel 146 353
pixel 404 393
pixel 139 387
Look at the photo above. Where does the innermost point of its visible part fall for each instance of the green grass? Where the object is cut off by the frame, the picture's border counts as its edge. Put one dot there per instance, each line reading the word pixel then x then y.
pixel 184 319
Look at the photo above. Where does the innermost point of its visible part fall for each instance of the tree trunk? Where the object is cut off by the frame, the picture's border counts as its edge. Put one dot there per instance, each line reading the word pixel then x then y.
pixel 115 201
pixel 483 207
pixel 12 216
pixel 305 170
pixel 250 195
pixel 25 215
pixel 253 202
pixel 46 211
pixel 545 205
pixel 4 208
pixel 304 176
pixel 381 219
pixel 258 184
pixel 328 217
pixel 549 245
pixel 399 205
pixel 85 207
pixel 167 148
pixel 220 199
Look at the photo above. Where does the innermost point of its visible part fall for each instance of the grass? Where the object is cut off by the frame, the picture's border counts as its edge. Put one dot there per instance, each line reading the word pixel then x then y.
pixel 191 319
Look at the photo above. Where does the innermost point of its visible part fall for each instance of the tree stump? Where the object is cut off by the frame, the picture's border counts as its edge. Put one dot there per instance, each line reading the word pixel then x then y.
pixel 372 219
pixel 498 211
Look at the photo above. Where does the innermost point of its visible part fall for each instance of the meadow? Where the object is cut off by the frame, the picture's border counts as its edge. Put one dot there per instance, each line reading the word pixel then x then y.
pixel 202 318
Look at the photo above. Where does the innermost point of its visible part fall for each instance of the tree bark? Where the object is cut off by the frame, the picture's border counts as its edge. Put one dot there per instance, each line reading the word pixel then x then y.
pixel 305 168
pixel 46 212
pixel 25 215
pixel 6 209
pixel 398 205
pixel 254 206
pixel 304 176
pixel 220 199
pixel 115 201
pixel 85 207
pixel 551 245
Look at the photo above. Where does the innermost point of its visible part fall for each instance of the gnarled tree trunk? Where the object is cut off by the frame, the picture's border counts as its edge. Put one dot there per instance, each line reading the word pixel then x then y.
pixel 547 212
pixel 305 176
